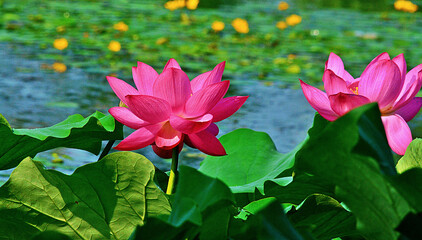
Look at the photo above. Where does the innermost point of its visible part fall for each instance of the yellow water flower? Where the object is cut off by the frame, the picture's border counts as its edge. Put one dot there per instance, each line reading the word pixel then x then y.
pixel 59 67
pixel 294 69
pixel 283 6
pixel 405 6
pixel 293 19
pixel 171 5
pixel 60 43
pixel 121 26
pixel 291 56
pixel 161 41
pixel 192 4
pixel 217 26
pixel 240 25
pixel 281 25
pixel 114 46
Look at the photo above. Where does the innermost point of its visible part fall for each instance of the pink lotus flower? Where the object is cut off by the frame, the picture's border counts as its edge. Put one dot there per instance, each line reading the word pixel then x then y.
pixel 167 109
pixel 384 81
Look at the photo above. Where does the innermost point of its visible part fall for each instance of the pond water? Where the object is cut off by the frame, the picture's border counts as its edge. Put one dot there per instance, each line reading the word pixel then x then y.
pixel 265 64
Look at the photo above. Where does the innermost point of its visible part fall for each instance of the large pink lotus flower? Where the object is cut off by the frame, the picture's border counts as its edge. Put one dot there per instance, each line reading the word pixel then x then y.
pixel 167 109
pixel 384 81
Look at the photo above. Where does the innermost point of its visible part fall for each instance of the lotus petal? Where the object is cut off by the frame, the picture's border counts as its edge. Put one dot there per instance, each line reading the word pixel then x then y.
pixel 144 77
pixel 189 126
pixel 127 118
pixel 121 88
pixel 398 133
pixel 341 103
pixel 319 101
pixel 139 139
pixel 173 85
pixel 227 107
pixel 149 108
pixel 205 99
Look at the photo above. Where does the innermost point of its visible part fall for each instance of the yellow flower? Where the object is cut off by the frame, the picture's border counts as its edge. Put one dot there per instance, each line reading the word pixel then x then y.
pixel 180 3
pixel 217 26
pixel 114 46
pixel 293 19
pixel 192 4
pixel 281 25
pixel 240 25
pixel 59 67
pixel 121 26
pixel 291 56
pixel 405 6
pixel 60 43
pixel 294 69
pixel 283 6
pixel 161 41
pixel 171 5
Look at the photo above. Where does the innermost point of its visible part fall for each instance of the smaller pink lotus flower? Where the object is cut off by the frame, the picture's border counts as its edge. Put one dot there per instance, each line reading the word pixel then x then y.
pixel 383 81
pixel 168 110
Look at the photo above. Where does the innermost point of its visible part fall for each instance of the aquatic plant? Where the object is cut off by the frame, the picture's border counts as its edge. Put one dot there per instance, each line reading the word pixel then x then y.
pixel 383 81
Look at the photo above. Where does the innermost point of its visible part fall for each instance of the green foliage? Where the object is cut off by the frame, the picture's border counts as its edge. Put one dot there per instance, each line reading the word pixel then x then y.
pixel 323 217
pixel 74 132
pixel 345 156
pixel 412 158
pixel 102 200
pixel 251 160
pixel 201 206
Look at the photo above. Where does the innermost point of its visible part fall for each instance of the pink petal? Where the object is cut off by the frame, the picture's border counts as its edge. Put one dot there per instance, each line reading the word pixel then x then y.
pixel 334 84
pixel 382 83
pixel 207 143
pixel 168 137
pixel 382 56
pixel 409 111
pixel 165 153
pixel 205 99
pixel 173 85
pixel 411 87
pixel 208 78
pixel 189 126
pixel 149 108
pixel 401 63
pixel 139 139
pixel 121 88
pixel 319 101
pixel 398 133
pixel 213 129
pixel 336 65
pixel 127 118
pixel 144 77
pixel 342 103
pixel 172 63
pixel 227 107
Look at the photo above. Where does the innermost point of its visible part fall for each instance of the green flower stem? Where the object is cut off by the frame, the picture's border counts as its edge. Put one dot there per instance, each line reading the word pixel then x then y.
pixel 106 149
pixel 173 170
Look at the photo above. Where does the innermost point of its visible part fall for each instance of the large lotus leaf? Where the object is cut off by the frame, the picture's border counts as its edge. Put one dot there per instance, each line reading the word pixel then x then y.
pixel 251 159
pixel 323 217
pixel 74 132
pixel 200 207
pixel 343 155
pixel 299 189
pixel 264 220
pixel 412 158
pixel 101 200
